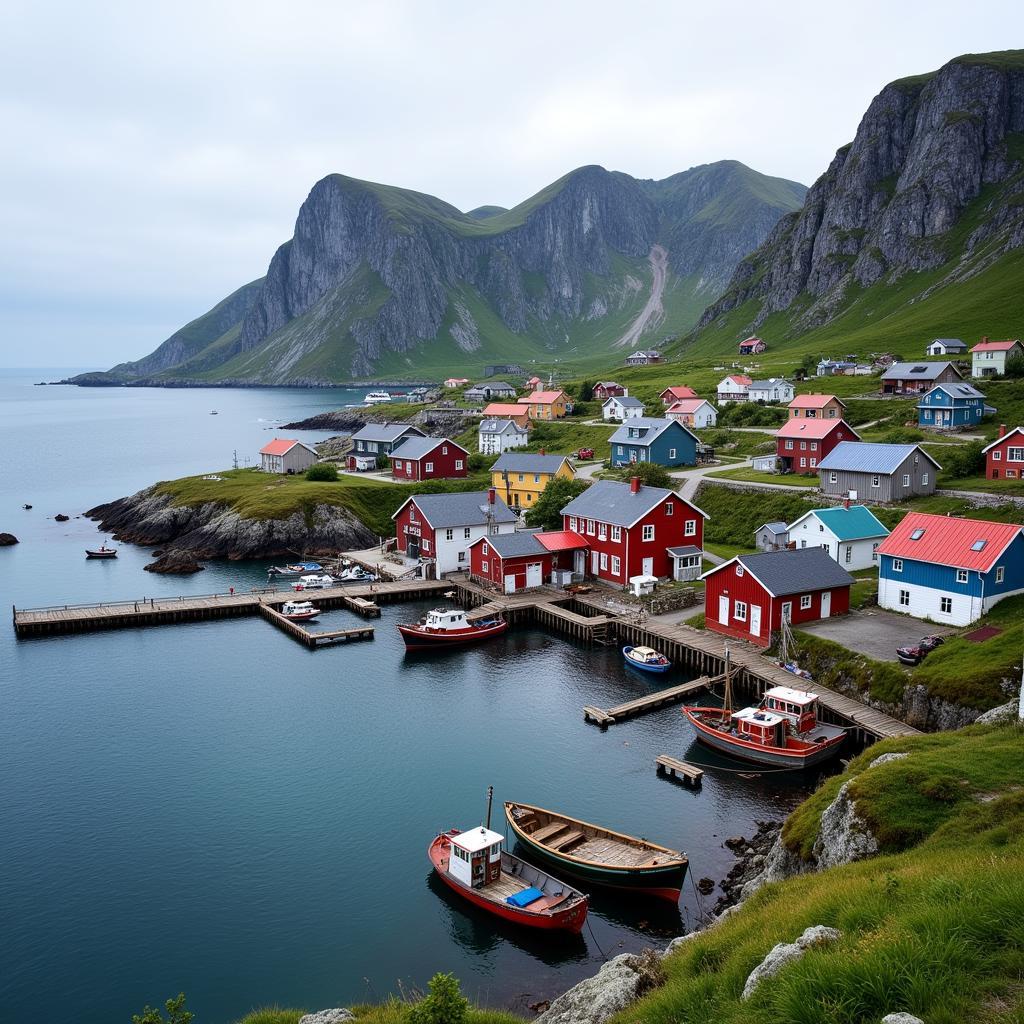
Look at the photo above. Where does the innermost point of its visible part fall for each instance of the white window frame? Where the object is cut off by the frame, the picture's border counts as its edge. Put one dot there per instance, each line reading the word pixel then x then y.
pixel 572 524
pixel 924 479
pixel 690 529
pixel 602 531
pixel 590 528
pixel 604 562
pixel 739 610
pixel 458 463
pixel 875 481
pixel 906 479
pixel 670 508
pixel 484 549
pixel 671 453
pixel 833 477
pixel 617 534
pixel 805 602
pixel 962 575
pixel 428 467
pixel 484 567
pixel 616 565
pixel 1000 573
pixel 648 532
pixel 897 565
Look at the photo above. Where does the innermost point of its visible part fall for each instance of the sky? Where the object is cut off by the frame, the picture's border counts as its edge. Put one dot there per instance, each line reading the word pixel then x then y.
pixel 153 156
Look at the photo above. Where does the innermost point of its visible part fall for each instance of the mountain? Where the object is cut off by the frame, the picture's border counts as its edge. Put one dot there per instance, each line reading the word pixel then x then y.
pixel 916 230
pixel 379 280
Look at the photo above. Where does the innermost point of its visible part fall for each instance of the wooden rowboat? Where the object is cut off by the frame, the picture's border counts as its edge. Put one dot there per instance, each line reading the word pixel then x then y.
pixel 598 854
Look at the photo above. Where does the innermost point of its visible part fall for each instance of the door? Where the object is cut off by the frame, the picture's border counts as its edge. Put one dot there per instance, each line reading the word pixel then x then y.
pixel 594 562
pixel 647 566
pixel 723 611
pixel 787 611
pixel 534 574
pixel 826 604
pixel 755 620
pixel 579 562
pixel 510 583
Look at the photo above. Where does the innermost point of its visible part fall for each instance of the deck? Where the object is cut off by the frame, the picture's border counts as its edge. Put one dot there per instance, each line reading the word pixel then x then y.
pixel 649 702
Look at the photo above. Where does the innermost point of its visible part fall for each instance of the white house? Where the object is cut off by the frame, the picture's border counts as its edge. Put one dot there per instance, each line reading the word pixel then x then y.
pixel 989 358
pixel 775 389
pixel 693 412
pixel 734 388
pixel 946 347
pixel 850 534
pixel 622 407
pixel 496 436
pixel 285 455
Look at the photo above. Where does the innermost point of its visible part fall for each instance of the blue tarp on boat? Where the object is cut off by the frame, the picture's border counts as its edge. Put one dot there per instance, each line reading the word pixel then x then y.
pixel 525 898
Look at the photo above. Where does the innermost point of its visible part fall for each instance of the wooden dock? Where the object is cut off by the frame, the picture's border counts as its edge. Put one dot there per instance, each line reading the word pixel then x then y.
pixel 649 702
pixel 676 769
pixel 315 640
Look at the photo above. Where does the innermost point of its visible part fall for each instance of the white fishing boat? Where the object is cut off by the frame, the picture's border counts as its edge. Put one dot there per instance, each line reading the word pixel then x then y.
pixel 376 398
pixel 355 574
pixel 314 582
pixel 299 611
pixel 293 571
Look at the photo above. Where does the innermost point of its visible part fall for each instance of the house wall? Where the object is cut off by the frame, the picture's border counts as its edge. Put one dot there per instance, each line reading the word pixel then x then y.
pixel 999 465
pixel 806 453
pixel 948 375
pixel 659 451
pixel 523 493
pixel 942 410
pixel 495 443
pixel 446 461
pixel 451 553
pixel 493 568
pixel 850 554
pixel 990 363
pixel 615 411
pixel 298 459
pixel 547 410
pixel 831 410
pixel 889 487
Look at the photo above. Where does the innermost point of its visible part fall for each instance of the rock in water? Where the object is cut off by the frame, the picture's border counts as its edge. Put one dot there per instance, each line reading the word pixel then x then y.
pixel 786 952
pixel 176 563
pixel 335 1016
pixel 61 518
pixel 7 539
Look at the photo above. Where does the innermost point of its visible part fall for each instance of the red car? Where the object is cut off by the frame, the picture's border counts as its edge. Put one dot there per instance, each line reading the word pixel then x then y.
pixel 585 453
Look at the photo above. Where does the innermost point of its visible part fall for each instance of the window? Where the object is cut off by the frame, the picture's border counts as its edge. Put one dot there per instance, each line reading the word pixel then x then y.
pixel 522 477
pixel 412 513
pixel 467 533
pixel 803 461
pixel 904 598
pixel 874 481
pixel 648 533
pixel 1000 574
pixel 833 478
pixel 789 446
pixel 572 523
pixel 945 605
pixel 536 478
pixel 458 463
pixel 906 479
pixel 602 531
pixel 462 556
pixel 874 551
pixel 805 602
pixel 814 446
pixel 739 611
pixel 444 449
pixel 616 565
pixel 619 449
pixel 917 534
pixel 803 446
pixel 997 455
pixel 449 535
pixel 616 533
pixel 670 508
pixel 671 453
pixel 897 565
pixel 428 468
pixel 924 479
pixel 961 575
pixel 690 530
pixel 483 549
pixel 590 527
pixel 604 561
pixel 814 462
pixel 426 544
pixel 483 567
pixel 821 529
pixel 739 569
pixel 1015 454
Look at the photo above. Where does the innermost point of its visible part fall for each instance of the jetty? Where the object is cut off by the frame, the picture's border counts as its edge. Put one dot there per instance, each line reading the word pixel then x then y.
pixel 649 702
pixel 314 640
pixel 665 764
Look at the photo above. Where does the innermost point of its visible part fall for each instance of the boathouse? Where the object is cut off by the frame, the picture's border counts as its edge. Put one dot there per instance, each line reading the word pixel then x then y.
pixel 528 559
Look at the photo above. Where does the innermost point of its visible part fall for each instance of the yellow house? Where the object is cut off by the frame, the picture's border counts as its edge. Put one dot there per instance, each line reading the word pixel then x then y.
pixel 546 405
pixel 520 478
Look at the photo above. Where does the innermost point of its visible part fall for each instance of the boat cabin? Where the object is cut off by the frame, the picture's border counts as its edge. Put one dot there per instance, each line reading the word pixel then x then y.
pixel 476 857
pixel 445 619
pixel 762 727
pixel 798 706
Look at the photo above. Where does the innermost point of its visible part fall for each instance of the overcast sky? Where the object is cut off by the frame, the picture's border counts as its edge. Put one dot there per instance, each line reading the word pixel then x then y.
pixel 153 155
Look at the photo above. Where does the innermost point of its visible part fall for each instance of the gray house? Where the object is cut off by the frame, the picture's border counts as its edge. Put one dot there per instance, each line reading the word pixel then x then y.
pixel 771 537
pixel 946 347
pixel 489 391
pixel 877 472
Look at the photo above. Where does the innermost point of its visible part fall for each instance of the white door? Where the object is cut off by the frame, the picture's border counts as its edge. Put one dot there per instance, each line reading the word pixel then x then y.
pixel 510 584
pixel 594 562
pixel 755 620
pixel 723 611
pixel 826 603
pixel 787 611
pixel 534 575
pixel 648 566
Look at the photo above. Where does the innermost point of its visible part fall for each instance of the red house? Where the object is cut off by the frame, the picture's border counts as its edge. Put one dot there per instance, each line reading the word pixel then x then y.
pixel 605 389
pixel 676 394
pixel 520 561
pixel 748 596
pixel 802 443
pixel 752 346
pixel 629 529
pixel 428 458
pixel 1004 457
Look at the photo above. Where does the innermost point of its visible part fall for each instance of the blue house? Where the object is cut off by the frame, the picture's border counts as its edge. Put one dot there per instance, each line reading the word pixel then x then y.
pixel 951 405
pixel 949 570
pixel 646 439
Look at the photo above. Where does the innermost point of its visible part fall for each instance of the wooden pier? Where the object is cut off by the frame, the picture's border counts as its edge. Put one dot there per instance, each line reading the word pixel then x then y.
pixel 315 640
pixel 649 702
pixel 676 769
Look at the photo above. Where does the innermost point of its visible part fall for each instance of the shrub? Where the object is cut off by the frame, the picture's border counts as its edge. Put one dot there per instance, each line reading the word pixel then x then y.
pixel 547 511
pixel 1014 366
pixel 322 471
pixel 901 435
pixel 964 460
pixel 649 473
pixel 444 1005
pixel 176 1013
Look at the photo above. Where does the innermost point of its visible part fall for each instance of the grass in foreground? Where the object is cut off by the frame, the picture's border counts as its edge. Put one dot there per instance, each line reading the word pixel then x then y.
pixel 748 475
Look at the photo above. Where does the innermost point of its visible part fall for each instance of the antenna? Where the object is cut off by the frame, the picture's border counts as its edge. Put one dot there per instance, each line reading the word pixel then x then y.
pixel 490 799
pixel 234 459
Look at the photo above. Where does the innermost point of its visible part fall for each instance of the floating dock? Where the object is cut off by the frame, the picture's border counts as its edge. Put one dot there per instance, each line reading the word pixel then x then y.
pixel 649 702
pixel 676 769
pixel 315 640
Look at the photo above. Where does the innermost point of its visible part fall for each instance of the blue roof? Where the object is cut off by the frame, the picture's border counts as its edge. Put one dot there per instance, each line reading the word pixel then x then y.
pixel 650 427
pixel 870 457
pixel 955 391
pixel 854 523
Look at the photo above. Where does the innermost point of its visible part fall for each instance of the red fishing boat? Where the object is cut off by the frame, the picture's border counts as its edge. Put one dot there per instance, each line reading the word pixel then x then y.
pixel 449 627
pixel 473 864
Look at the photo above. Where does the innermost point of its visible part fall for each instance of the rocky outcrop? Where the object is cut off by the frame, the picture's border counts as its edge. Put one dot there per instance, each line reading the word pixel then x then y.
pixel 1009 712
pixel 786 952
pixel 898 1018
pixel 176 563
pixel 7 539
pixel 336 1016
pixel 926 149
pixel 214 530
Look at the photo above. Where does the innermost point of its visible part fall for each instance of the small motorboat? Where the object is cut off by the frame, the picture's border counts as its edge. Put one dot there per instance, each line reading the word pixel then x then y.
pixel 213 412
pixel 314 582
pixel 598 854
pixel 356 574
pixel 299 611
pixel 646 658
pixel 294 571
pixel 914 654
pixel 101 552
pixel 26 506
pixel 473 864
pixel 376 398
pixel 449 627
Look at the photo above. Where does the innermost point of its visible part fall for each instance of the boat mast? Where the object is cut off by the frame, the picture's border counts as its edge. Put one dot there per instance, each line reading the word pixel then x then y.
pixel 727 701
pixel 490 799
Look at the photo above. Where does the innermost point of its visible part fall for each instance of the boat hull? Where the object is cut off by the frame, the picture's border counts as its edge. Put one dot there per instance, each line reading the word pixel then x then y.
pixel 100 554
pixel 643 666
pixel 417 639
pixel 777 757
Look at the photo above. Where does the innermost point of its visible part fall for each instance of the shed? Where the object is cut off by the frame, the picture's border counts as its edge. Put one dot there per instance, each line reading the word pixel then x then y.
pixel 287 455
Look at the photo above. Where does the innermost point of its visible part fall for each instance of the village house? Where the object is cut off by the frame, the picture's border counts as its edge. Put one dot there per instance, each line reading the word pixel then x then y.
pixel 490 390
pixel 877 472
pixel 547 405
pixel 1004 457
pixel 495 436
pixel 456 382
pixel 428 458
pixel 951 406
pixel 695 413
pixel 770 391
pixel 504 370
pixel 622 407
pixel 771 537
pixel 801 444
pixel 749 596
pixel 514 411
pixel 604 389
pixel 817 407
pixel 630 528
pixel 989 358
pixel 285 455
pixel 520 477
pixel 374 440
pixel 946 347
pixel 849 533
pixel 676 394
pixel 947 569
pixel 521 561
pixel 917 378
pixel 440 528
pixel 752 346
pixel 643 357
pixel 733 388
pixel 662 441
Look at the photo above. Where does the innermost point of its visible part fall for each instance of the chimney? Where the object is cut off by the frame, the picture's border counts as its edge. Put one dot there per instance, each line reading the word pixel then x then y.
pixel 634 484
pixel 1002 430
pixel 491 493
pixel 984 337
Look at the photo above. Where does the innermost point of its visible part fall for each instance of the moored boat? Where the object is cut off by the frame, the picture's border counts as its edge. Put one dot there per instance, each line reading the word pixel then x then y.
pixel 449 627
pixel 646 659
pixel 376 397
pixel 314 582
pixel 599 855
pixel 101 552
pixel 355 574
pixel 299 611
pixel 293 571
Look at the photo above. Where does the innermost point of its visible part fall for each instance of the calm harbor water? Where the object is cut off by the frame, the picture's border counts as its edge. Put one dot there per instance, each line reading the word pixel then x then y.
pixel 213 808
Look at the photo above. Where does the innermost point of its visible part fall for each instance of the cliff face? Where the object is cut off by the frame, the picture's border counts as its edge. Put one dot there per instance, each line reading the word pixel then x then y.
pixel 377 278
pixel 932 181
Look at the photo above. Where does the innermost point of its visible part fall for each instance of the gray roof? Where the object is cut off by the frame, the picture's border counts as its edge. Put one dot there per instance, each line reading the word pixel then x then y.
pixel 870 457
pixel 627 401
pixel 386 432
pixel 460 508
pixel 651 426
pixel 497 385
pixel 508 545
pixel 610 501
pixel 417 447
pixel 915 371
pixel 768 385
pixel 686 549
pixel 957 390
pixel 500 426
pixel 524 462
pixel 949 343
pixel 774 527
pixel 795 571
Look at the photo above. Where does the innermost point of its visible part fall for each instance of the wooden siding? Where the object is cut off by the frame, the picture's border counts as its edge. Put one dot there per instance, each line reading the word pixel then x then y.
pixel 890 487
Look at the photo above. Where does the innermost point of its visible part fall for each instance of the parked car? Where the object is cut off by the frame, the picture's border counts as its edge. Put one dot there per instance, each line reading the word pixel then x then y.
pixel 585 453
pixel 914 654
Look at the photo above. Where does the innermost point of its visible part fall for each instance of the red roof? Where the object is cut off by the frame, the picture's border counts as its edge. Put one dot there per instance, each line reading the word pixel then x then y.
pixel 949 541
pixel 740 378
pixel 814 429
pixel 682 391
pixel 561 540
pixel 686 405
pixel 543 397
pixel 505 409
pixel 279 446
pixel 814 401
pixel 994 346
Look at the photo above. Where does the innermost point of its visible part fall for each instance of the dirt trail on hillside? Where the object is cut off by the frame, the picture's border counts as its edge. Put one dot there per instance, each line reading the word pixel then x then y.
pixel 653 310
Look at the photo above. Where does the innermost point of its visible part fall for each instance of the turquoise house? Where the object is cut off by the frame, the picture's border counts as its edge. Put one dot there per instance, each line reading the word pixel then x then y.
pixel 647 439
pixel 948 406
